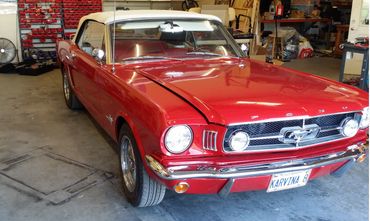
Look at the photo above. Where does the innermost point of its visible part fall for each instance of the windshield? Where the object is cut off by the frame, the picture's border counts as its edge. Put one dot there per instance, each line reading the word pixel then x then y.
pixel 172 39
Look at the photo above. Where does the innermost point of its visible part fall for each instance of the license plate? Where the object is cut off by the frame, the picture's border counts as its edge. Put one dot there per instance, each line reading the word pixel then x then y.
pixel 283 181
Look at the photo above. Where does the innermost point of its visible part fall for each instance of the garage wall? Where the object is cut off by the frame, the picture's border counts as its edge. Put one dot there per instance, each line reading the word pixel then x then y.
pixel 156 4
pixel 206 2
pixel 9 25
pixel 357 27
pixel 137 5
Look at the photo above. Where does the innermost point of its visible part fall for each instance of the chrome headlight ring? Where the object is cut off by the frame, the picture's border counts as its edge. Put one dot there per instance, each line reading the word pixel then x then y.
pixel 349 127
pixel 178 138
pixel 239 141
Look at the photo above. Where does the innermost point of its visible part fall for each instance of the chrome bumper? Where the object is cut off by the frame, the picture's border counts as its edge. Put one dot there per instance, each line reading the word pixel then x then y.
pixel 354 153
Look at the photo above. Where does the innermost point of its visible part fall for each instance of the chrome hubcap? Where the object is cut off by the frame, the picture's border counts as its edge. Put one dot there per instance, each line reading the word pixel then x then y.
pixel 66 89
pixel 128 164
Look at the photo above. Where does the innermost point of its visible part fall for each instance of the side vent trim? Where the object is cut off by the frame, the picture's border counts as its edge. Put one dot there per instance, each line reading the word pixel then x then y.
pixel 210 140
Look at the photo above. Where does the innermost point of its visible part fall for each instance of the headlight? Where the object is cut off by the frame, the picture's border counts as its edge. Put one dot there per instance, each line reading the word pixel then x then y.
pixel 178 138
pixel 239 141
pixel 349 127
pixel 364 123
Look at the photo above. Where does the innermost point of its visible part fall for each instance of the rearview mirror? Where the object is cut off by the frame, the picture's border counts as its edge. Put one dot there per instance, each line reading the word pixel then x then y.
pixel 170 27
pixel 98 54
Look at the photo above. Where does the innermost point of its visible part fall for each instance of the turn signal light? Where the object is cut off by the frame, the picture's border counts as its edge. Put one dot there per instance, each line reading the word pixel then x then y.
pixel 361 158
pixel 181 187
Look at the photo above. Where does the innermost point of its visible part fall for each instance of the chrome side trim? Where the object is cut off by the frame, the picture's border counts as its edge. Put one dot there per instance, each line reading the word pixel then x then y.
pixel 352 153
pixel 302 117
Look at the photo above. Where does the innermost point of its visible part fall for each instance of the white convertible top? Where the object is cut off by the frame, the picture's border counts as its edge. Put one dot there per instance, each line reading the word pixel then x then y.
pixel 121 15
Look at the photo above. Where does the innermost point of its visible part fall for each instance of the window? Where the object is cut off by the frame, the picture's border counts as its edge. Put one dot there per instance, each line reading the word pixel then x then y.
pixel 92 37
pixel 180 39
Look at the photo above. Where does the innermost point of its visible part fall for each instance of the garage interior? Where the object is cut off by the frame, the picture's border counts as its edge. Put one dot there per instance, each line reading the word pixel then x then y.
pixel 57 164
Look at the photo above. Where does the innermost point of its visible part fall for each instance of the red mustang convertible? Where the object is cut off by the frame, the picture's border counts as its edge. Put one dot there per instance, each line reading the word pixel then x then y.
pixel 191 113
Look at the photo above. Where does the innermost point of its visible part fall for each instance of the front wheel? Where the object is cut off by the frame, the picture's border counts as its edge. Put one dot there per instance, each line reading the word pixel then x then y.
pixel 139 188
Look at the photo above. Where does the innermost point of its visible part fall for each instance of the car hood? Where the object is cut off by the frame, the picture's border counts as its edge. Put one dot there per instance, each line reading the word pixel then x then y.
pixel 230 91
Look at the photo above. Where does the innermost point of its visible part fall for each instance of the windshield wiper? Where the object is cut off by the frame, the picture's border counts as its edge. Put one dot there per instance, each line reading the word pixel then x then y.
pixel 148 58
pixel 203 53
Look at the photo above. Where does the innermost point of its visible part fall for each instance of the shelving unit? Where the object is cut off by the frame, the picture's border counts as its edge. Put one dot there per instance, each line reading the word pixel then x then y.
pixel 303 5
pixel 342 4
pixel 42 22
pixel 73 10
pixel 40 25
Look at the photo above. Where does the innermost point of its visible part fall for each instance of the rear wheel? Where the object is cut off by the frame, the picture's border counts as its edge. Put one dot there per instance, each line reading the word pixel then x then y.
pixel 139 188
pixel 69 96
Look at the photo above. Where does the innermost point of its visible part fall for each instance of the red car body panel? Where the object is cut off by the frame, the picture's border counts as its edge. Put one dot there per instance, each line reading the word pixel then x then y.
pixel 207 94
pixel 232 91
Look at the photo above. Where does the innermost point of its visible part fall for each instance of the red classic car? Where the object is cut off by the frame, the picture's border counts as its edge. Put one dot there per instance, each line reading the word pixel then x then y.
pixel 191 113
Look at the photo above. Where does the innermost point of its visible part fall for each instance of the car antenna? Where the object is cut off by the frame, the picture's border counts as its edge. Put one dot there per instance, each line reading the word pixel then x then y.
pixel 114 37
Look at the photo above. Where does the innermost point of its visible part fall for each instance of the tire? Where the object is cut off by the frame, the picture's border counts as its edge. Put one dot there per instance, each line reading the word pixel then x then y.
pixel 140 190
pixel 69 96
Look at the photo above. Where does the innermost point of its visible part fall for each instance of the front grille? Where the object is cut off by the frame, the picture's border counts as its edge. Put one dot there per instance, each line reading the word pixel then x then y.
pixel 269 135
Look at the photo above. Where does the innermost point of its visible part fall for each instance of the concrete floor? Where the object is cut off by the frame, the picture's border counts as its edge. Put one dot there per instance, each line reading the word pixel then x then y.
pixel 50 155
pixel 323 66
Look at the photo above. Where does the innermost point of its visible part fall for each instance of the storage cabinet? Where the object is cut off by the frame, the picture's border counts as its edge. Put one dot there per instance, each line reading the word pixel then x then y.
pixel 42 22
pixel 73 10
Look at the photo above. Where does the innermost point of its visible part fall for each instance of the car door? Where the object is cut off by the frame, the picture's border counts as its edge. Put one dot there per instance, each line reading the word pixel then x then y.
pixel 85 65
pixel 109 93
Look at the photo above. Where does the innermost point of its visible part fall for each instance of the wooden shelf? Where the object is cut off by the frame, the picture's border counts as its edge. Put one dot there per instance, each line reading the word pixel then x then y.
pixel 298 20
pixel 145 1
pixel 342 4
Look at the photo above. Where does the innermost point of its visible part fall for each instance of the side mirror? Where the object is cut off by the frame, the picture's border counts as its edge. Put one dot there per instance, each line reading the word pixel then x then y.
pixel 244 48
pixel 98 54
